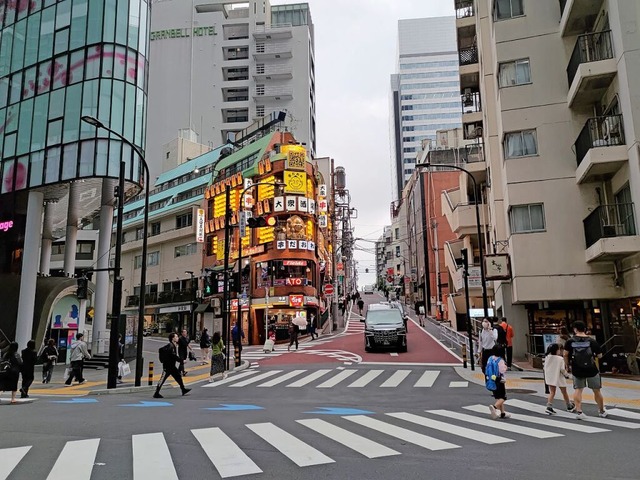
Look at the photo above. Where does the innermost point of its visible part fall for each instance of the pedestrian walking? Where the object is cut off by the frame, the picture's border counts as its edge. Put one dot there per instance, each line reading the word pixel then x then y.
pixel 183 349
pixel 564 336
pixel 237 335
pixel 217 357
pixel 29 358
pixel 580 353
pixel 294 330
pixel 205 345
pixel 168 357
pixel 508 329
pixel 49 358
pixel 10 371
pixel 360 306
pixel 501 339
pixel 496 383
pixel 78 354
pixel 555 376
pixel 486 342
pixel 311 326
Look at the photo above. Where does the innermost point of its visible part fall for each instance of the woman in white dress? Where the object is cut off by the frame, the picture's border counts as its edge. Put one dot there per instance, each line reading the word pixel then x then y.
pixel 555 376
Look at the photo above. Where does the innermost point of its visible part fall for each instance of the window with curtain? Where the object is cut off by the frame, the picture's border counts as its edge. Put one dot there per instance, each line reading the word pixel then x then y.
pixel 505 9
pixel 520 144
pixel 514 73
pixel 527 218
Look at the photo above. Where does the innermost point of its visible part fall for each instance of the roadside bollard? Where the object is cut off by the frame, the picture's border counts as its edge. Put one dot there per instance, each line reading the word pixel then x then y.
pixel 464 356
pixel 236 356
pixel 150 373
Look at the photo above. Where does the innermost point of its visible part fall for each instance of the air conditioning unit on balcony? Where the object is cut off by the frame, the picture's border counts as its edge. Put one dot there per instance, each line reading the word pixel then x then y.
pixel 468 98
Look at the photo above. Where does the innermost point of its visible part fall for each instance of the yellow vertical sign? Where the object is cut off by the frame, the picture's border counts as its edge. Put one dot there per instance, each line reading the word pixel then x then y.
pixel 295 182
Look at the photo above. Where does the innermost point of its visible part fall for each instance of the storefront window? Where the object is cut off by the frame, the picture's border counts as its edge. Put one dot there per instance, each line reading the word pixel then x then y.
pixel 280 273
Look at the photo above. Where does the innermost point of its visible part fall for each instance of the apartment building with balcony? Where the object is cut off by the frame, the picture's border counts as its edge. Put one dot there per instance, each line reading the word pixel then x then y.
pixel 425 91
pixel 559 128
pixel 174 252
pixel 218 65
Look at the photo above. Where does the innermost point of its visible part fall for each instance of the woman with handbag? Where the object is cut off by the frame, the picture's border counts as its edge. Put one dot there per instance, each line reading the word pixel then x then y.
pixel 205 345
pixel 10 367
pixel 49 357
pixel 217 357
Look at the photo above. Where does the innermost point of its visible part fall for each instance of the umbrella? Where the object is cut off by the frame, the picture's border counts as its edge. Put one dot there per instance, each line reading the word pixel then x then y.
pixel 301 322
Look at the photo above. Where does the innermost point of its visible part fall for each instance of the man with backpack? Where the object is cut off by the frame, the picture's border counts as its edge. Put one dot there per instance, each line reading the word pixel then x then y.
pixel 501 339
pixel 580 353
pixel 168 357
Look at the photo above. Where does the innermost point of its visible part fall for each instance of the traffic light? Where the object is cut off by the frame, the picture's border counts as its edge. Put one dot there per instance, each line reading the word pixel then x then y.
pixel 366 270
pixel 263 221
pixel 235 285
pixel 83 288
pixel 208 284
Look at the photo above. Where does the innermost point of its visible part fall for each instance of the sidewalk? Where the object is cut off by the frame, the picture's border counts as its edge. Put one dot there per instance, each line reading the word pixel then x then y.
pixel 96 380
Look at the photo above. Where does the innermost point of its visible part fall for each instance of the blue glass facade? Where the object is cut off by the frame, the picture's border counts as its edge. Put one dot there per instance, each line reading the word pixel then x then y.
pixel 59 61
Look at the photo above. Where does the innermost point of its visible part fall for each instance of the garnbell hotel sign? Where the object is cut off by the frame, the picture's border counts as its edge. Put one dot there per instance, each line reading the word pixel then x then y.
pixel 182 33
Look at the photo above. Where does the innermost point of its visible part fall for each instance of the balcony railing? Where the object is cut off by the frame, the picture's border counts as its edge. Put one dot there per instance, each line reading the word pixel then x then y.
pixel 590 47
pixel 468 55
pixel 599 132
pixel 464 8
pixel 606 221
pixel 471 102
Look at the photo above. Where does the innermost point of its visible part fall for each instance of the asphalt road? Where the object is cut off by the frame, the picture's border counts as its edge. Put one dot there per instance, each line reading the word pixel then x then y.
pixel 313 419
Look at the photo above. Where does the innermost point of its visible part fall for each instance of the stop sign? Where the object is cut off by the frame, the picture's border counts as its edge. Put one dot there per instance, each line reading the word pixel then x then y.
pixel 328 289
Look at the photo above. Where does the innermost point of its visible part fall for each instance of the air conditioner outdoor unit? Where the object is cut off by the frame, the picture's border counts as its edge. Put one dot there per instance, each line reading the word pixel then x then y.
pixel 468 98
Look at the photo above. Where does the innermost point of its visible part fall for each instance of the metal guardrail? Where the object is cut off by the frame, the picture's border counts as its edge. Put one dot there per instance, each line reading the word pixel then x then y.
pixel 590 47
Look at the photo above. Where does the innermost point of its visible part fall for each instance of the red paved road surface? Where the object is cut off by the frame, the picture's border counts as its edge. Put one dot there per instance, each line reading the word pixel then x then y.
pixel 423 348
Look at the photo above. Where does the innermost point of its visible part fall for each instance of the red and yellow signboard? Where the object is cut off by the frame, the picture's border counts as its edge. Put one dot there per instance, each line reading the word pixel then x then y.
pixel 296 301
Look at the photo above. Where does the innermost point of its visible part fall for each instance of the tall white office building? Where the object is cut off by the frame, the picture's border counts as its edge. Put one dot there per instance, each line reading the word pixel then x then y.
pixel 425 90
pixel 218 65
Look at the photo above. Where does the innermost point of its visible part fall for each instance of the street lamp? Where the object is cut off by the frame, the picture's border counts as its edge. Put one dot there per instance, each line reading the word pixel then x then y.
pixel 143 268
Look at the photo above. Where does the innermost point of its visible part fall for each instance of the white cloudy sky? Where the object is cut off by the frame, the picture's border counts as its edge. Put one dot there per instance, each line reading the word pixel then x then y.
pixel 355 44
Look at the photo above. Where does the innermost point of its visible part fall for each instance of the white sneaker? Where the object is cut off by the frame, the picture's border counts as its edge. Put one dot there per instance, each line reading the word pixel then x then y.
pixel 580 416
pixel 603 414
pixel 210 379
pixel 225 375
pixel 505 415
pixel 494 412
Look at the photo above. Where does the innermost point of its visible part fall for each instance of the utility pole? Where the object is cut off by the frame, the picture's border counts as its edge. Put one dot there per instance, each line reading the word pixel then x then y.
pixel 226 314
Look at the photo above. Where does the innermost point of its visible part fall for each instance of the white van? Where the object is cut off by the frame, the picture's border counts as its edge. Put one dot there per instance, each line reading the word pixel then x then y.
pixel 368 289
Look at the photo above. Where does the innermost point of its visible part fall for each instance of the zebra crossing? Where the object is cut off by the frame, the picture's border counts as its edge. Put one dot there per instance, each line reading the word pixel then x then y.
pixel 335 377
pixel 431 430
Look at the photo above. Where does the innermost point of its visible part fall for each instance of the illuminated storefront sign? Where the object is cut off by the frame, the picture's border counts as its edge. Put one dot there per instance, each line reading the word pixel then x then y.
pixel 6 225
pixel 200 226
pixel 295 182
pixel 296 301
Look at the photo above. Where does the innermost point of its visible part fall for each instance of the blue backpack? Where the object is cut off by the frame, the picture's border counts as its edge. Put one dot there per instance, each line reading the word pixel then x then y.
pixel 492 373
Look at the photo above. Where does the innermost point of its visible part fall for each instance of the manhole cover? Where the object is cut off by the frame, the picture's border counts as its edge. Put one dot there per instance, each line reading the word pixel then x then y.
pixel 520 390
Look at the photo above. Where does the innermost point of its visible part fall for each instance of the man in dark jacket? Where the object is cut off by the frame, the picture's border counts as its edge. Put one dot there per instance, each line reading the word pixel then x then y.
pixel 29 357
pixel 169 357
pixel 183 348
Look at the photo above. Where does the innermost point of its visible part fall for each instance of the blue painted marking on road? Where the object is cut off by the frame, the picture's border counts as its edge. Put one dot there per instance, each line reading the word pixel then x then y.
pixel 76 400
pixel 234 408
pixel 339 411
pixel 147 404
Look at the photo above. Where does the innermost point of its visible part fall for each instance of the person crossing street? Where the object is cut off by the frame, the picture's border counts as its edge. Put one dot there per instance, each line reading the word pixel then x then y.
pixel 168 358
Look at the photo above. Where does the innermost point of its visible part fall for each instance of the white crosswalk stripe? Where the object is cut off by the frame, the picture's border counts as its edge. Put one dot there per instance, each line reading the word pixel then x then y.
pixel 303 441
pixel 428 378
pixel 299 452
pixel 533 407
pixel 499 425
pixel 224 453
pixel 482 437
pixel 366 447
pixel 396 379
pixel 10 458
pixel 151 457
pixel 367 378
pixel 616 412
pixel 79 453
pixel 576 427
pixel 336 379
pixel 282 379
pixel 218 383
pixel 400 433
pixel 309 378
pixel 257 378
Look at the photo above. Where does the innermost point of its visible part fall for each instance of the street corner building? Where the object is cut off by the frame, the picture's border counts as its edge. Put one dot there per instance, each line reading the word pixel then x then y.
pixel 60 61
pixel 276 270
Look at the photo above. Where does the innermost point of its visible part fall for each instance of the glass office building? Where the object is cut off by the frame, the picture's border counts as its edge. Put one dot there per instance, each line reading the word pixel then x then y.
pixel 58 62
